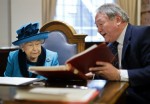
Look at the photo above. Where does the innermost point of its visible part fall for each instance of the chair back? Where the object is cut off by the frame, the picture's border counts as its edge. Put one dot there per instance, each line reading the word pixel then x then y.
pixel 63 40
pixel 57 42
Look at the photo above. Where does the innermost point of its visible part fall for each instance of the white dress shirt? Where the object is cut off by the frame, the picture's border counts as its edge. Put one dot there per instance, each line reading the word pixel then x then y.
pixel 123 72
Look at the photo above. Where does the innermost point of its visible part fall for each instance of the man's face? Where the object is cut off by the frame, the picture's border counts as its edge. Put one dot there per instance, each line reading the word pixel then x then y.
pixel 106 27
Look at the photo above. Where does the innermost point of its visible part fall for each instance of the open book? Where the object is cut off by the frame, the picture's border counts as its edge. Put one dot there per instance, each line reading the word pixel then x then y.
pixel 77 66
pixel 57 95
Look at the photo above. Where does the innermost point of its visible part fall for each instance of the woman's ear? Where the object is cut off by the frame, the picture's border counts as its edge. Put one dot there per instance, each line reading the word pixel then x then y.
pixel 21 47
pixel 22 50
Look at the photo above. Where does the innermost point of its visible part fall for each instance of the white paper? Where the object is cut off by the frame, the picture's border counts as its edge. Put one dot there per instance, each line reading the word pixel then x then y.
pixel 16 80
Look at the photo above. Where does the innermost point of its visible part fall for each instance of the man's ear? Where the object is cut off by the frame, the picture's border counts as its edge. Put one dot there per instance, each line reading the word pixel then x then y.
pixel 119 20
pixel 118 23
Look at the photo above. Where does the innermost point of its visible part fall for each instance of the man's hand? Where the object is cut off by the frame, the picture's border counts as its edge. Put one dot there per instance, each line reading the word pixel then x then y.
pixel 106 70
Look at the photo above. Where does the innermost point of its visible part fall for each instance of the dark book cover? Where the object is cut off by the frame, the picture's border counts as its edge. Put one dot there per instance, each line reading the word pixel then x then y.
pixel 62 72
pixel 86 59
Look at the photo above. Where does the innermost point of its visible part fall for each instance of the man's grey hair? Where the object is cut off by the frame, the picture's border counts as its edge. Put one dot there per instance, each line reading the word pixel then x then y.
pixel 111 10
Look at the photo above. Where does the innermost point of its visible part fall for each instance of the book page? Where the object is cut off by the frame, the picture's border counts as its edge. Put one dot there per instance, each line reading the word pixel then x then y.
pixel 48 68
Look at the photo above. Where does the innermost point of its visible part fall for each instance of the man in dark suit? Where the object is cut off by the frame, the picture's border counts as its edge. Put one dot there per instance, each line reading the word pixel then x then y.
pixel 133 52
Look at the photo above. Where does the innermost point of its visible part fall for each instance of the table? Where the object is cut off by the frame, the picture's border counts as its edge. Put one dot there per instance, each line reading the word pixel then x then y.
pixel 111 92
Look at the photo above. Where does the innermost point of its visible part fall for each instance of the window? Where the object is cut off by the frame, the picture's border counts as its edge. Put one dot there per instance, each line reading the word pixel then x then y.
pixel 80 14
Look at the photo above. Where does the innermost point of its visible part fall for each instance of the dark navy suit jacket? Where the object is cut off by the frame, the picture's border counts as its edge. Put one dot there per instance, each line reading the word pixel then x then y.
pixel 136 59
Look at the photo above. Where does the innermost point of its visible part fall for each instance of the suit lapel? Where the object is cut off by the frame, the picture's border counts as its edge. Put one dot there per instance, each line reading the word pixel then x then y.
pixel 126 43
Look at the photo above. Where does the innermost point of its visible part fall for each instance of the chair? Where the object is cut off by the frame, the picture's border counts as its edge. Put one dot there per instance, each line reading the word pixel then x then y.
pixel 4 52
pixel 63 39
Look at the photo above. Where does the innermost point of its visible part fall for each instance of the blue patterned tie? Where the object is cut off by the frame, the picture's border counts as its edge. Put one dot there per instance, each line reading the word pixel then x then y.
pixel 114 50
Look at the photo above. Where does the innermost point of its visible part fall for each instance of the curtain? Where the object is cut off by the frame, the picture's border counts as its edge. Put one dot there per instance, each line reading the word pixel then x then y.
pixel 48 10
pixel 132 7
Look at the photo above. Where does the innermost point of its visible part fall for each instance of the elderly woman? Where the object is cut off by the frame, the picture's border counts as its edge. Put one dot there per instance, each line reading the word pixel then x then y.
pixel 31 53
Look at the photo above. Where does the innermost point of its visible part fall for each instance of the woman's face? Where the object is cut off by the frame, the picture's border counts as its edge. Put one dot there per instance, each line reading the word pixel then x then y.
pixel 32 50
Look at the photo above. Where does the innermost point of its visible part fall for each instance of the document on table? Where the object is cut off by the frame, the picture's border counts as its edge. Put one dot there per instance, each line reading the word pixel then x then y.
pixel 16 80
pixel 59 95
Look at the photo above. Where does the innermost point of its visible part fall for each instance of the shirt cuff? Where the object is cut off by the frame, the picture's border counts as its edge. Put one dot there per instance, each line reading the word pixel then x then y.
pixel 124 75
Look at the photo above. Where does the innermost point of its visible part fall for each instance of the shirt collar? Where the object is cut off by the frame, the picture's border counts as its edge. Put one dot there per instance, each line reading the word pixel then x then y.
pixel 121 37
